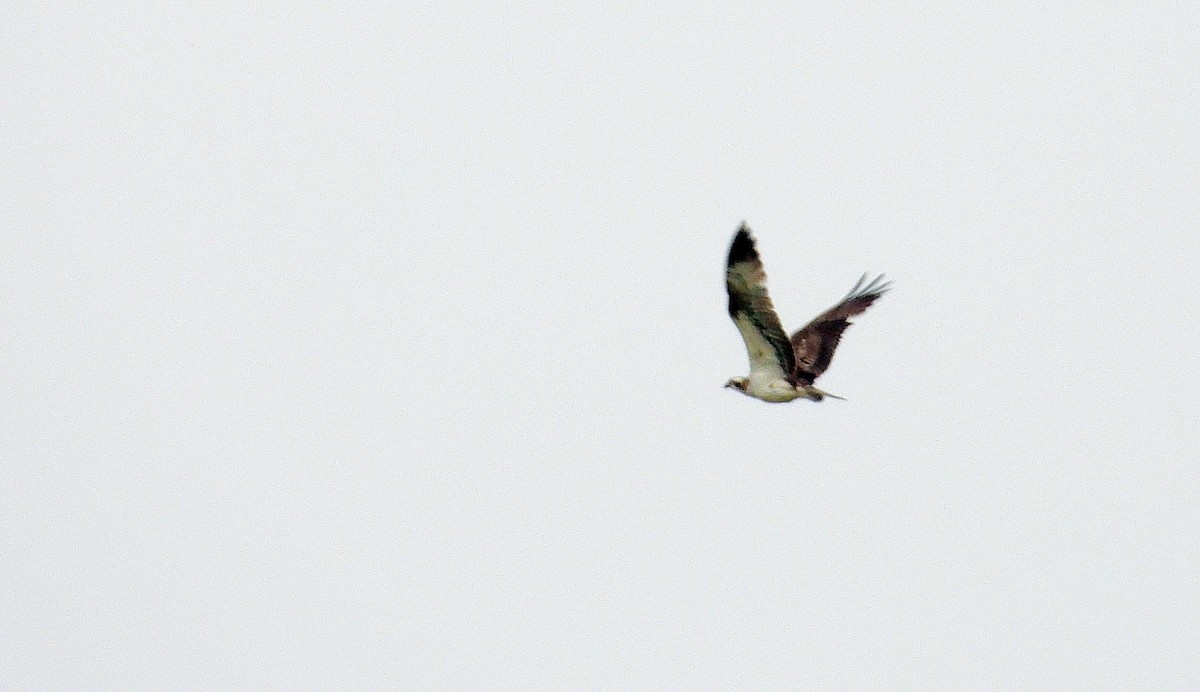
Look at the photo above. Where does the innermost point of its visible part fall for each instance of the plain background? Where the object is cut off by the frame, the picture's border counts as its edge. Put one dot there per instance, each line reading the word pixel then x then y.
pixel 383 347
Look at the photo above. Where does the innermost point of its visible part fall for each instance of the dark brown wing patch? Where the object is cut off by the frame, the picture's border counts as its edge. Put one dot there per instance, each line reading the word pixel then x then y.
pixel 815 343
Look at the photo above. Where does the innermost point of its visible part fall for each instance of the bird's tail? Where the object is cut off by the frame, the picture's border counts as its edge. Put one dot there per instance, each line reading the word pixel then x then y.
pixel 818 394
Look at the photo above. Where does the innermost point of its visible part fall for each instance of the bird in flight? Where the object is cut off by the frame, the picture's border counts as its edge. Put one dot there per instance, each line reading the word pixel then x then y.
pixel 783 369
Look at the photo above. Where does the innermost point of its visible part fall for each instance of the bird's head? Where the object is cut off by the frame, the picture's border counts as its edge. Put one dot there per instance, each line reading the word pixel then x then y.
pixel 738 383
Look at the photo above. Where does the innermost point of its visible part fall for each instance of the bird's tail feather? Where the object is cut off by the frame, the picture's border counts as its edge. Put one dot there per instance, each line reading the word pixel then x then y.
pixel 818 394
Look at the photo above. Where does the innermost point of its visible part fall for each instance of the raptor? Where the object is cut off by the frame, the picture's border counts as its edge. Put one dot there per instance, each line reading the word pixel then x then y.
pixel 783 368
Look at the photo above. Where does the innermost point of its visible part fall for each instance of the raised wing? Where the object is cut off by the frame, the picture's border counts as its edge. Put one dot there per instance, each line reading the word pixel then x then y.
pixel 815 343
pixel 752 311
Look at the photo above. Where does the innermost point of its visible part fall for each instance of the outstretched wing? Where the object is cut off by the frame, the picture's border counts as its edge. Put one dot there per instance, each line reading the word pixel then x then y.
pixel 815 343
pixel 752 311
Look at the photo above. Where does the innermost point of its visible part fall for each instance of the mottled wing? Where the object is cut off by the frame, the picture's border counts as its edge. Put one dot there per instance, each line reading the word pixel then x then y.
pixel 815 343
pixel 751 309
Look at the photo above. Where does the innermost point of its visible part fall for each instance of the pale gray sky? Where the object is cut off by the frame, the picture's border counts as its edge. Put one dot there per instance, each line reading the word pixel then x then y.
pixel 383 347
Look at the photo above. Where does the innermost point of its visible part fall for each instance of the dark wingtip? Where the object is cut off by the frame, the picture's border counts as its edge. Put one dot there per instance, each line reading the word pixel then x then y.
pixel 876 288
pixel 742 248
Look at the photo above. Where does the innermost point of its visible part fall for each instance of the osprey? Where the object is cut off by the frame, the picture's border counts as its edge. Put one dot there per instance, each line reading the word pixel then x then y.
pixel 783 369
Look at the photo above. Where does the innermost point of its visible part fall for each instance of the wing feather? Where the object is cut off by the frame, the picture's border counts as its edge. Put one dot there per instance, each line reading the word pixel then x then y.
pixel 750 307
pixel 815 343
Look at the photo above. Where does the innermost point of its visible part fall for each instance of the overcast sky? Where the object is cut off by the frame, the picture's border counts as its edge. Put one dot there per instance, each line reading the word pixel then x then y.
pixel 383 347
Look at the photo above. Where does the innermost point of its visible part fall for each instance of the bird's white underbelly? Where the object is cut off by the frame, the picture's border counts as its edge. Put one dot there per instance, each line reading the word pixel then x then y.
pixel 772 389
